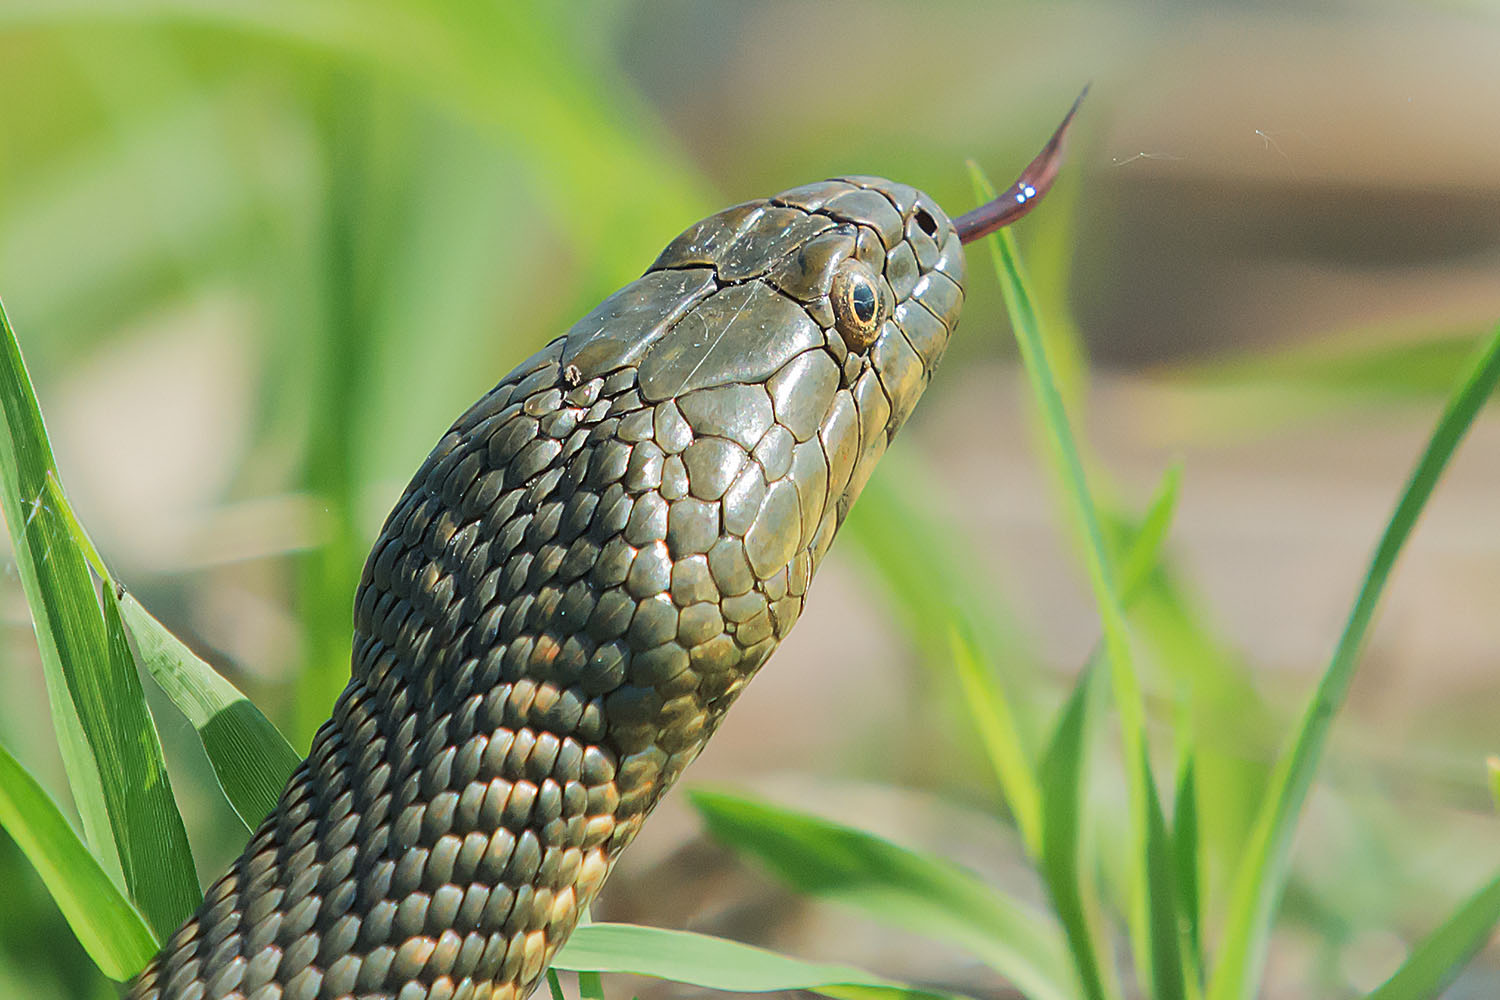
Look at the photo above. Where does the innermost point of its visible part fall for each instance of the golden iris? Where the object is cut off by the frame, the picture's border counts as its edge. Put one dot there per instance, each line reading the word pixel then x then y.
pixel 858 310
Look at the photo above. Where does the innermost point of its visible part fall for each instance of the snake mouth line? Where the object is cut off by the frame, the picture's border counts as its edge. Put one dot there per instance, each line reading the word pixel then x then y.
pixel 1022 196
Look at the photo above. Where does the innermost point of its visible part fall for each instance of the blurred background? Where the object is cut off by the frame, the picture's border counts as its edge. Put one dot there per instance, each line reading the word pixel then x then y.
pixel 259 253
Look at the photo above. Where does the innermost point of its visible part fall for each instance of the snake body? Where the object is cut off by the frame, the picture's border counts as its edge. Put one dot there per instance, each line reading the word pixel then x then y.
pixel 572 591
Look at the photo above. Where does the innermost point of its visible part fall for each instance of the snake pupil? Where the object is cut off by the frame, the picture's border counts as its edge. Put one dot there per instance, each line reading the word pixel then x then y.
pixel 862 298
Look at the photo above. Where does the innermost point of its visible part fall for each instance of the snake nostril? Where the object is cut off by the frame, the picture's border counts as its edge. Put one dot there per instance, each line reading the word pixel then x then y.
pixel 926 222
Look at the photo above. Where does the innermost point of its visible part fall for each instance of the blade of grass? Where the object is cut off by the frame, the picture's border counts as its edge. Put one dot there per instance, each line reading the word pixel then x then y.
pixel 110 929
pixel 1140 567
pixel 1438 959
pixel 1051 245
pixel 590 983
pixel 368 156
pixel 1063 452
pixel 715 963
pixel 554 986
pixel 58 590
pixel 1261 393
pixel 98 668
pixel 250 757
pixel 1062 860
pixel 933 592
pixel 168 896
pixel 1222 718
pixel 1144 554
pixel 897 886
pixel 990 710
pixel 1185 846
pixel 170 176
pixel 986 699
pixel 1066 870
pixel 1166 932
pixel 1262 875
pixel 165 883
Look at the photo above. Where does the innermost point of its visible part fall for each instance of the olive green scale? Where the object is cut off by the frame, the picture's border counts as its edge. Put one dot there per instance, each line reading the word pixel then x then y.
pixel 573 589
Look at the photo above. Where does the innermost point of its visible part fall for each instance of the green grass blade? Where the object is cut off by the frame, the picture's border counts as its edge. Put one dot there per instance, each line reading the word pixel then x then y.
pixel 97 668
pixel 897 886
pixel 1063 452
pixel 1153 600
pixel 163 882
pixel 718 964
pixel 110 929
pixel 58 504
pixel 1051 249
pixel 1066 870
pixel 250 757
pixel 64 609
pixel 590 985
pixel 1065 866
pixel 1144 554
pixel 1263 872
pixel 933 589
pixel 1186 848
pixel 159 863
pixel 1438 959
pixel 554 986
pixel 1166 932
pixel 373 162
pixel 1222 717
pixel 990 710
pixel 148 832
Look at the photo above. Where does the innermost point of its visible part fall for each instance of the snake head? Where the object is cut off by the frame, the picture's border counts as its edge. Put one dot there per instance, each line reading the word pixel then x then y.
pixel 782 343
pixel 802 327
pixel 837 299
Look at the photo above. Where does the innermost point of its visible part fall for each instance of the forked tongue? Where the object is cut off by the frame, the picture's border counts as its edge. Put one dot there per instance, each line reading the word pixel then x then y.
pixel 1022 196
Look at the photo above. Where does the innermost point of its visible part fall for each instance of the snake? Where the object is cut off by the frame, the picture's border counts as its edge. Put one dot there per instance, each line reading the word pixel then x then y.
pixel 578 582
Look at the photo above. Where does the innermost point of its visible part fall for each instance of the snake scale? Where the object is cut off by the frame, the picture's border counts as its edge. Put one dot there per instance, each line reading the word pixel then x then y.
pixel 574 588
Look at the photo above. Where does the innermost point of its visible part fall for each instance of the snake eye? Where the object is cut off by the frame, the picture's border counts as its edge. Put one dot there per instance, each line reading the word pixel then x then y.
pixel 857 308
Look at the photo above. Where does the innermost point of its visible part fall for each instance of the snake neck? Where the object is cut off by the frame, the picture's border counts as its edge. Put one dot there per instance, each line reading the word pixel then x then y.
pixel 556 616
